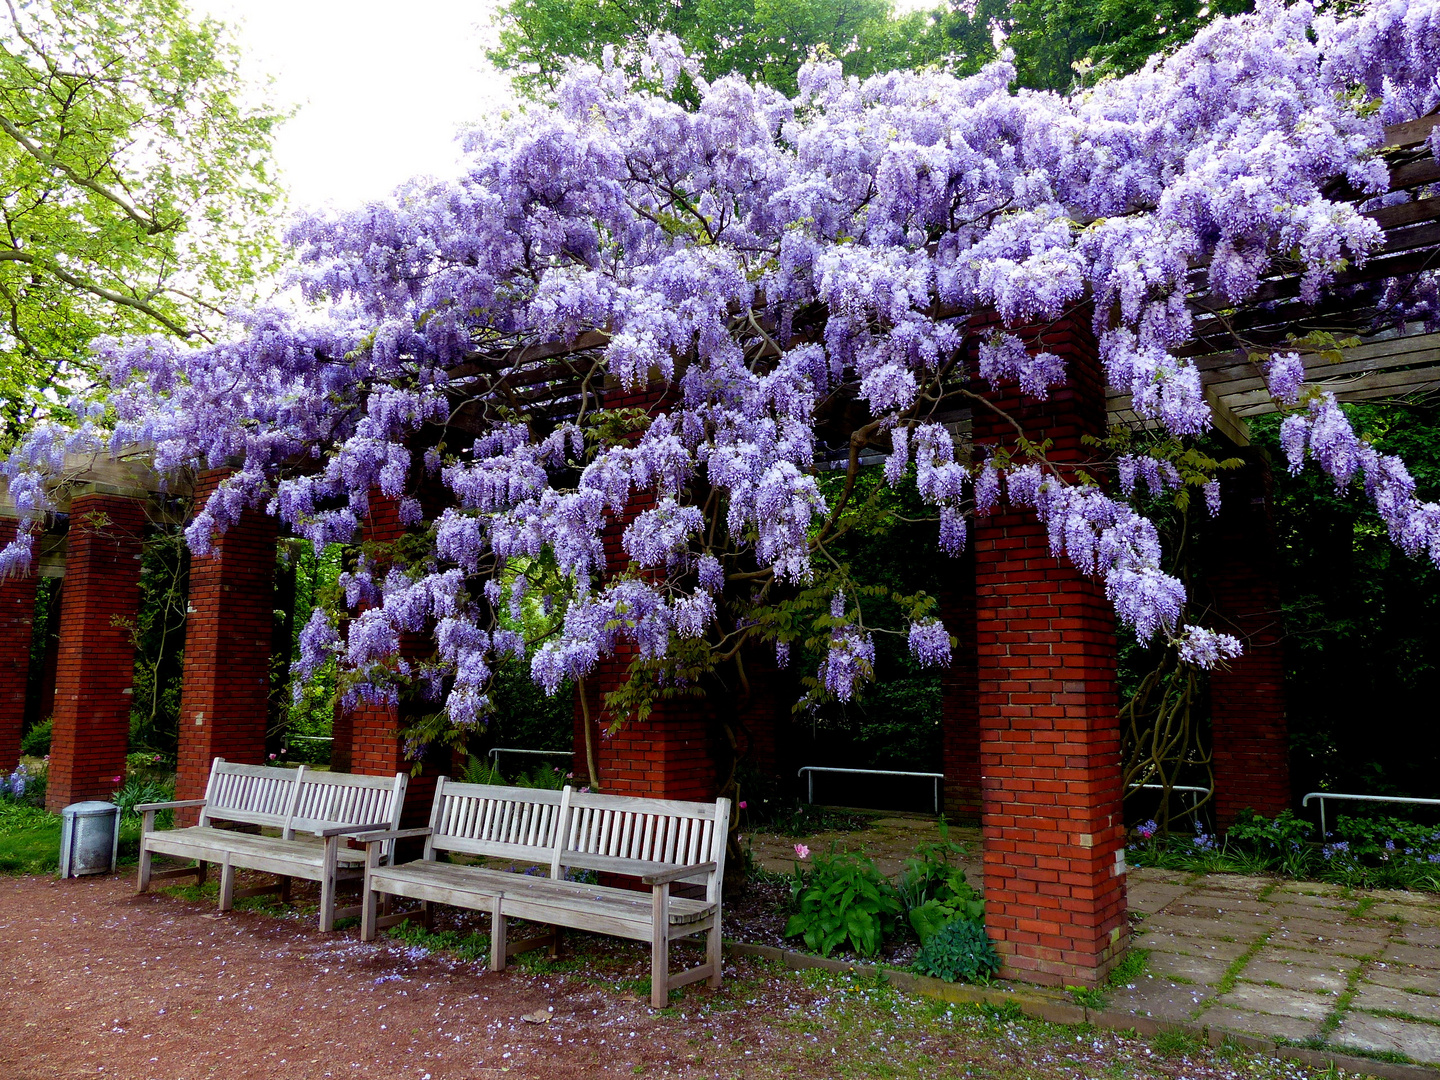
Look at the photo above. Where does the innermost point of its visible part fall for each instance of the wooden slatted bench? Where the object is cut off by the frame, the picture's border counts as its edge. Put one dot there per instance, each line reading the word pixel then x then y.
pixel 321 807
pixel 658 841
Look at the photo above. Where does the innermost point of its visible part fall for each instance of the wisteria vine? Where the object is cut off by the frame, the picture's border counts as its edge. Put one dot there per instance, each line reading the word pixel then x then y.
pixel 769 261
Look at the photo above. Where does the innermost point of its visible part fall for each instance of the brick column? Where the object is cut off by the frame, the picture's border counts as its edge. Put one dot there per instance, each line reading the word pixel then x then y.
pixel 668 755
pixel 17 617
pixel 1247 699
pixel 372 731
pixel 1049 733
pixel 959 700
pixel 226 687
pixel 97 659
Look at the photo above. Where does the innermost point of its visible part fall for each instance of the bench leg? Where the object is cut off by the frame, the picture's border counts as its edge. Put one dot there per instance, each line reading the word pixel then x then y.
pixel 368 913
pixel 283 881
pixel 554 943
pixel 227 885
pixel 660 949
pixel 327 884
pixel 712 955
pixel 142 883
pixel 427 914
pixel 497 934
pixel 201 866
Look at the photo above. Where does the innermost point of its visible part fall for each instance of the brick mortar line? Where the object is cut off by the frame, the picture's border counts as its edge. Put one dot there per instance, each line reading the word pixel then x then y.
pixel 1057 1012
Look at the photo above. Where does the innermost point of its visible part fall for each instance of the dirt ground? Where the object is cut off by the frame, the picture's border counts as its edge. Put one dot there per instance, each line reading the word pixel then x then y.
pixel 99 982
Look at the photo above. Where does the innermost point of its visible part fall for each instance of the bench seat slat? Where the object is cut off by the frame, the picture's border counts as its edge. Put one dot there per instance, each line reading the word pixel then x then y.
pixel 472 882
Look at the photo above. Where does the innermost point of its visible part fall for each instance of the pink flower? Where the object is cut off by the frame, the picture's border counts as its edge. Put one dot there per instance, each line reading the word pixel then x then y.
pixel 116 780
pixel 802 851
pixel 272 757
pixel 742 804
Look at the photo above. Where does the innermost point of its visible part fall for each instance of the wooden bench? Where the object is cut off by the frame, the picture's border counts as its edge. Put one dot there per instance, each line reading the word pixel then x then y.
pixel 660 842
pixel 320 806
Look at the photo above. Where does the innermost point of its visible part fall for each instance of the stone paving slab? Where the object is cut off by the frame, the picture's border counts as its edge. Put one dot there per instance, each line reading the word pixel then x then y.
pixel 1196 969
pixel 1161 999
pixel 1420 935
pixel 1421 956
pixel 1148 897
pixel 1402 978
pixel 1307 977
pixel 1180 943
pixel 1388 999
pixel 1278 1001
pixel 1255 1023
pixel 1383 1034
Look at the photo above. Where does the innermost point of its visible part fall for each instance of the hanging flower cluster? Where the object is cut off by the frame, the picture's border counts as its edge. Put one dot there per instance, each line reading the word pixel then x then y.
pixel 767 257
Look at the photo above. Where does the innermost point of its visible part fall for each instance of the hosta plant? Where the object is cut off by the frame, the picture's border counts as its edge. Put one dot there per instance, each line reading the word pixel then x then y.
pixel 842 898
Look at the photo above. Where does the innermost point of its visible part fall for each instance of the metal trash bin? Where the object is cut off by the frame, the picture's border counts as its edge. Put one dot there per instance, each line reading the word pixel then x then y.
pixel 89 838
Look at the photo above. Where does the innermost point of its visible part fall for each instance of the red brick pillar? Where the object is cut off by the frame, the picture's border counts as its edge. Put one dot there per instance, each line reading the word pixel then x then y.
pixel 372 731
pixel 1247 699
pixel 17 617
pixel 959 701
pixel 1049 733
pixel 226 687
pixel 94 675
pixel 668 755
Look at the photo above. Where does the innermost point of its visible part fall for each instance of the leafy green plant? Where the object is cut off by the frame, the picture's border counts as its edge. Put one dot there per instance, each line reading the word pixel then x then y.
pixel 960 951
pixel 842 898
pixel 934 892
pixel 1283 843
pixel 36 742
pixel 139 790
pixel 480 771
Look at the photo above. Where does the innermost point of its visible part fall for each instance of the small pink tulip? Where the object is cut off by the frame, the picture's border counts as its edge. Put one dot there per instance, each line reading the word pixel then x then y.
pixel 742 804
pixel 272 757
pixel 117 780
pixel 802 851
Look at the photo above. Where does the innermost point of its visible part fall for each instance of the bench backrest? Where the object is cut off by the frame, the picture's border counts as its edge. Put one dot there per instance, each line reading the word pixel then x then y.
pixel 628 835
pixel 490 819
pixel 252 794
pixel 329 799
pixel 291 799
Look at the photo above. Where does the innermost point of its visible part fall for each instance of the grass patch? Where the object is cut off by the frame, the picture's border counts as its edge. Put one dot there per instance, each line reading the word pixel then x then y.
pixel 473 946
pixel 1227 981
pixel 29 840
pixel 1176 1043
pixel 1342 1003
pixel 1130 968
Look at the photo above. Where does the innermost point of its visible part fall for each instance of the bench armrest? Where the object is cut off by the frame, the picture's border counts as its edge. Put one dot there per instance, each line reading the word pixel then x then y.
pixel 178 805
pixel 345 830
pixel 389 834
pixel 675 873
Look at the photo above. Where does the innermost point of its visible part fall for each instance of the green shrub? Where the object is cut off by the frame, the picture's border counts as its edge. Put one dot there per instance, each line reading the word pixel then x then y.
pixel 842 898
pixel 139 790
pixel 36 742
pixel 934 892
pixel 959 952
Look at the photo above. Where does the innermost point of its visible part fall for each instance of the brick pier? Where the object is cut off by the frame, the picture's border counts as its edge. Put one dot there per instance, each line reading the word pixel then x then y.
pixel 93 676
pixel 227 648
pixel 1049 732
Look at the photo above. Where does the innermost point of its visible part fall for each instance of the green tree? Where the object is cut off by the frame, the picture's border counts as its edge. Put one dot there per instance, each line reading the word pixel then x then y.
pixel 764 39
pixel 1061 44
pixel 136 185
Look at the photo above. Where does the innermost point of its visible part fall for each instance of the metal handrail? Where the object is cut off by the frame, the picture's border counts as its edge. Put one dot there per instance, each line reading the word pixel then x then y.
pixel 496 751
pixel 813 769
pixel 1196 792
pixel 1323 795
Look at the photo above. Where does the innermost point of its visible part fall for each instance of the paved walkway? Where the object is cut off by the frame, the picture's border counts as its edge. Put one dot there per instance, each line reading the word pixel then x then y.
pixel 1295 961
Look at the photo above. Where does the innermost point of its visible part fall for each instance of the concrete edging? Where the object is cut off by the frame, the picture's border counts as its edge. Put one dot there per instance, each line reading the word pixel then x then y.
pixel 1057 1012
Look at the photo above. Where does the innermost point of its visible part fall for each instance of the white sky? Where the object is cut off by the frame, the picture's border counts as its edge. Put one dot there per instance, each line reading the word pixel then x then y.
pixel 383 87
